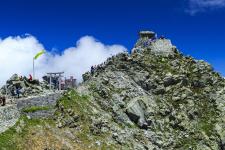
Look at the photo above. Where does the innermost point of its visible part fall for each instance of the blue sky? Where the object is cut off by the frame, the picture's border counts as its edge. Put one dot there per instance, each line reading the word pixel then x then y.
pixel 196 27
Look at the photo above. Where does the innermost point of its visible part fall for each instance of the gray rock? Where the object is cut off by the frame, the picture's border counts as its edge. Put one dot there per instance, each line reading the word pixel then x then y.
pixel 8 117
pixel 136 113
pixel 162 47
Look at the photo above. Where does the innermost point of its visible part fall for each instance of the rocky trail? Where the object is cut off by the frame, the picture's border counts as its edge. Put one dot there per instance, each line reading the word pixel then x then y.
pixel 10 113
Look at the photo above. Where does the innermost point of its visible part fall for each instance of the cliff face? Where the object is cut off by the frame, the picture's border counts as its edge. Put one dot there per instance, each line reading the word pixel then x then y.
pixel 155 98
pixel 158 98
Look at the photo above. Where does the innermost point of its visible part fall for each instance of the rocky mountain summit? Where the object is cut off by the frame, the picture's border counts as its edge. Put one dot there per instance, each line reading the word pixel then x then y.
pixel 159 99
pixel 152 99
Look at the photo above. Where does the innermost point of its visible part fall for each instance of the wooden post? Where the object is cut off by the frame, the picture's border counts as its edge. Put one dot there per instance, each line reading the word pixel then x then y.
pixel 50 82
pixel 59 83
pixel 59 79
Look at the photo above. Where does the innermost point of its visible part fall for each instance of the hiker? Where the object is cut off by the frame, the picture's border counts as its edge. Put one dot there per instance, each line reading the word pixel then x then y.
pixel 21 78
pixel 150 41
pixel 92 70
pixel 12 91
pixel 30 77
pixel 18 91
pixel 153 39
pixel 162 37
pixel 3 100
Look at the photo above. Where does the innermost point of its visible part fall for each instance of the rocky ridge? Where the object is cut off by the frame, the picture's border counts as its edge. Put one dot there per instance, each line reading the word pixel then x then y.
pixel 155 98
pixel 161 98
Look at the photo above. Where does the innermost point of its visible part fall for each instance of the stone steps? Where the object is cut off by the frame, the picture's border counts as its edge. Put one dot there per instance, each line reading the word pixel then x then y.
pixel 10 113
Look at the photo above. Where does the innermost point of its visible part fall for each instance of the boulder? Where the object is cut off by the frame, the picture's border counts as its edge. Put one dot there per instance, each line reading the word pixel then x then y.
pixel 86 76
pixel 136 113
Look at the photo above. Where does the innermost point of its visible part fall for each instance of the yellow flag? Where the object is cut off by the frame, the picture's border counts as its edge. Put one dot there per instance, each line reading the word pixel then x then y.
pixel 39 54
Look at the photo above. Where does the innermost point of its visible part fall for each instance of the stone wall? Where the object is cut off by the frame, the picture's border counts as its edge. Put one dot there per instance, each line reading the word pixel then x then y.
pixel 9 114
pixel 45 100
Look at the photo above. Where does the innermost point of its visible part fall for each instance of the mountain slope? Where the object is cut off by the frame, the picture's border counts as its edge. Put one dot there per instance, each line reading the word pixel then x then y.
pixel 175 101
pixel 155 98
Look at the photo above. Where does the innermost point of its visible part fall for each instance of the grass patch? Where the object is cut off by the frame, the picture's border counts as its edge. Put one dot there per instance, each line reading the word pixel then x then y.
pixel 13 139
pixel 36 133
pixel 78 103
pixel 81 105
pixel 7 139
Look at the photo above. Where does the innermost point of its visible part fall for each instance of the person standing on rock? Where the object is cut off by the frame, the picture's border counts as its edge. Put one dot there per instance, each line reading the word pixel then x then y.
pixel 18 91
pixel 30 77
pixel 21 78
pixel 162 37
pixel 3 100
pixel 92 70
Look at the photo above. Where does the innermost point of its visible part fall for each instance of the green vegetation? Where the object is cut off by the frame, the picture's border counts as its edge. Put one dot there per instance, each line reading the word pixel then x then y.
pixel 35 108
pixel 34 133
pixel 208 117
pixel 78 103
pixel 81 106
pixel 7 139
pixel 17 136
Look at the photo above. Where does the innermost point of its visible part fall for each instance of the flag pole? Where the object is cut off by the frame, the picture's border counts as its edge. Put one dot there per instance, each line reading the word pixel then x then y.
pixel 34 58
pixel 33 69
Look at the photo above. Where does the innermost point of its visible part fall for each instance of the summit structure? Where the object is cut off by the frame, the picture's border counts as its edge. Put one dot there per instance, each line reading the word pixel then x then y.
pixel 147 34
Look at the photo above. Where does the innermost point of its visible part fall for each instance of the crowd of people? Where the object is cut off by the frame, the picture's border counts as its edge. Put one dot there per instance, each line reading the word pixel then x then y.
pixel 153 39
pixel 97 67
pixel 146 43
pixel 16 91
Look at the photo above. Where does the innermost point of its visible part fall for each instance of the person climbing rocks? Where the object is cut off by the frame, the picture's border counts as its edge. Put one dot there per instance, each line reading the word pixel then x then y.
pixel 3 100
pixel 146 43
pixel 92 70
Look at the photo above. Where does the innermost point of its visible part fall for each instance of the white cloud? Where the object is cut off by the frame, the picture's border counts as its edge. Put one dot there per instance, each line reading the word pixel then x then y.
pixel 16 55
pixel 197 6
